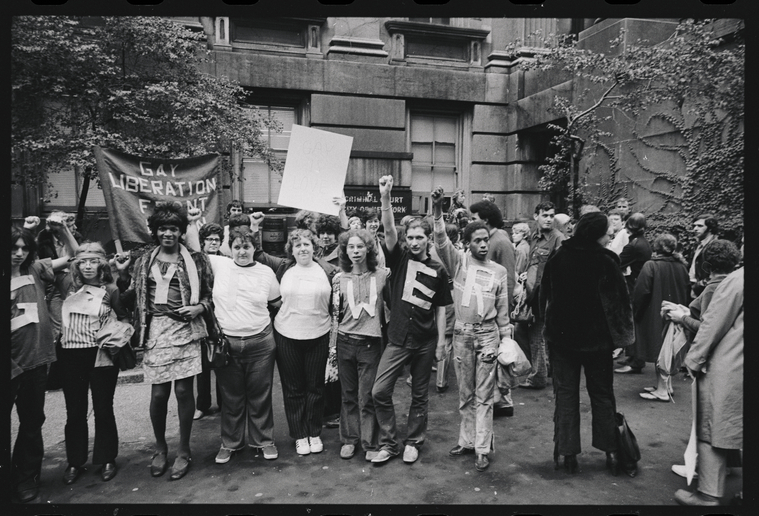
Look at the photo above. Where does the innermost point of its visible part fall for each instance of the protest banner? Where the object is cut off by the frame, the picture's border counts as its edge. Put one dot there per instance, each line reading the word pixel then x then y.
pixel 133 185
pixel 315 169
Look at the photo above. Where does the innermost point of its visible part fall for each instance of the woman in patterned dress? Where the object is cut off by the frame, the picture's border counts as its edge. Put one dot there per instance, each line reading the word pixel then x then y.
pixel 170 289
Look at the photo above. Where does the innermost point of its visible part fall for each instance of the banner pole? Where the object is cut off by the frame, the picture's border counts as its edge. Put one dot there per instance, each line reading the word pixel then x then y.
pixel 117 242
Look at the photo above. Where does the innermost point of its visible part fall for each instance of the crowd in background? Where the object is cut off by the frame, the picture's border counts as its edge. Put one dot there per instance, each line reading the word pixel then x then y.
pixel 356 301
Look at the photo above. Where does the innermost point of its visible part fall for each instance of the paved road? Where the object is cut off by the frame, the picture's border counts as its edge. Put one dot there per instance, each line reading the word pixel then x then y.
pixel 521 471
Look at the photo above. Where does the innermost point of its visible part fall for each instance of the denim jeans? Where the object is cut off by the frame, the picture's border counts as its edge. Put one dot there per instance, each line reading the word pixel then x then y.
pixel 475 347
pixel 357 360
pixel 246 385
pixel 538 355
pixel 441 378
pixel 390 368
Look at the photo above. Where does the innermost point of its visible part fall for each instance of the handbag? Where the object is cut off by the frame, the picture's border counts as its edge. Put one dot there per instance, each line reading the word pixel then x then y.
pixel 522 311
pixel 511 356
pixel 627 445
pixel 215 347
pixel 126 358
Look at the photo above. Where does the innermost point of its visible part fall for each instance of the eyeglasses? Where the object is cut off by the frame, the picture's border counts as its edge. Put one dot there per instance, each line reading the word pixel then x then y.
pixel 213 240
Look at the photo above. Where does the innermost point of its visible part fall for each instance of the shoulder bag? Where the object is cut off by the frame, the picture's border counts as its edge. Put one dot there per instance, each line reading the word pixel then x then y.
pixel 627 444
pixel 214 347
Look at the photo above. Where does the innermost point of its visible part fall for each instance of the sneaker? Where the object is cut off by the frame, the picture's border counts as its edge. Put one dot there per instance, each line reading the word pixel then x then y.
pixel 616 353
pixel 333 423
pixel 224 455
pixel 270 452
pixel 371 455
pixel 347 451
pixel 410 454
pixel 198 415
pixel 302 447
pixel 316 445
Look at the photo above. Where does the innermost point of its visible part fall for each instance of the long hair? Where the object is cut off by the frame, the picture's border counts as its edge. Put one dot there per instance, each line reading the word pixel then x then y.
pixel 371 249
pixel 88 250
pixel 29 242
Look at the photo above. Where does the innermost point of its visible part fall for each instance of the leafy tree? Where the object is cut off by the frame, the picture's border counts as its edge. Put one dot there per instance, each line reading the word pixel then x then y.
pixel 692 84
pixel 136 84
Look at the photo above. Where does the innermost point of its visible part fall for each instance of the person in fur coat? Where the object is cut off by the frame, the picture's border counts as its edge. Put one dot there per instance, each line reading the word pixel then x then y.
pixel 587 314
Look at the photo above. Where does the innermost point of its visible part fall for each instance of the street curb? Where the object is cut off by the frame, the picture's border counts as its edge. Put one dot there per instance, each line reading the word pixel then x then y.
pixel 135 375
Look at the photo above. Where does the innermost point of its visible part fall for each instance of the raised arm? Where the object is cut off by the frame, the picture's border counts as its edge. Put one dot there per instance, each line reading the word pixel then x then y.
pixel 69 242
pixel 391 235
pixel 192 236
pixel 340 201
pixel 445 250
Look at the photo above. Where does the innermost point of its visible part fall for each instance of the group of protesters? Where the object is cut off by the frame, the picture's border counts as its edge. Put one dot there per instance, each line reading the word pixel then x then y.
pixel 356 301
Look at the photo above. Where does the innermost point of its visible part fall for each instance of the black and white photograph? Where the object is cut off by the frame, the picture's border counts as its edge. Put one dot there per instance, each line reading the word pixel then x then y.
pixel 423 265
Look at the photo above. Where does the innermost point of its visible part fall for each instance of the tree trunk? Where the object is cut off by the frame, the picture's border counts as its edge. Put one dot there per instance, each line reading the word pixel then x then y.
pixel 82 198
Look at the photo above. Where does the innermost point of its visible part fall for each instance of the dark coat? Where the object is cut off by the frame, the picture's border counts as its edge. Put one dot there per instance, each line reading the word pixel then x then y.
pixel 634 255
pixel 584 298
pixel 663 278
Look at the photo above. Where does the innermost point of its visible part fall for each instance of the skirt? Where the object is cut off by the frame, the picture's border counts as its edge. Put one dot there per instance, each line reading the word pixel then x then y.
pixel 170 353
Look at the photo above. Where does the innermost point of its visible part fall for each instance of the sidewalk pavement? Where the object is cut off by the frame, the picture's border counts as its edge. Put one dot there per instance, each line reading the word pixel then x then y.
pixel 521 470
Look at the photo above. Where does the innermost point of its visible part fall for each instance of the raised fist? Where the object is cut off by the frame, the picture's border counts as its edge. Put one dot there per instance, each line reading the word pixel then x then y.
pixel 437 195
pixel 31 222
pixel 193 214
pixel 122 261
pixel 385 185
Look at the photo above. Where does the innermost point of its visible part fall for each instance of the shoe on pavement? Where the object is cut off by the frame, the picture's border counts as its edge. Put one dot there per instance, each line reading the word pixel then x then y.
pixel 198 415
pixel 434 369
pixel 347 451
pixel 28 490
pixel 684 497
pixel 382 457
pixel 270 452
pixel 71 474
pixel 408 381
pixel 442 389
pixel 315 444
pixel 624 361
pixel 529 385
pixel 628 370
pixel 652 396
pixel 333 423
pixel 410 454
pixel 616 353
pixel 180 467
pixel 460 450
pixel 482 462
pixel 503 411
pixel 681 471
pixel 371 455
pixel 224 455
pixel 108 471
pixel 302 447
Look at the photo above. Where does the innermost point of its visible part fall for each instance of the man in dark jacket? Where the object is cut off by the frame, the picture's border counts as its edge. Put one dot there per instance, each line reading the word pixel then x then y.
pixel 633 256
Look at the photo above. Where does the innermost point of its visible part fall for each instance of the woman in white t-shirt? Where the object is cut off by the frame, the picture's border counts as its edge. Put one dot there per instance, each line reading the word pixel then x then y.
pixel 243 291
pixel 301 329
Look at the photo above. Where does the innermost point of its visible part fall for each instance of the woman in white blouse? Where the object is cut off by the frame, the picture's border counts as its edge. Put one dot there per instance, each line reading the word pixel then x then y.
pixel 301 330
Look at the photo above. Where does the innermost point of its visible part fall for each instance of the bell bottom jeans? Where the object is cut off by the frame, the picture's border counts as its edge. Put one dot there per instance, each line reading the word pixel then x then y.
pixel 357 360
pixel 475 347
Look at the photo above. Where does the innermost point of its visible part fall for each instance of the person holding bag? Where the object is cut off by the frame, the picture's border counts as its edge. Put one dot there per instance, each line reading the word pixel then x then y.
pixel 243 292
pixel 481 305
pixel 587 314
pixel 170 291
pixel 86 364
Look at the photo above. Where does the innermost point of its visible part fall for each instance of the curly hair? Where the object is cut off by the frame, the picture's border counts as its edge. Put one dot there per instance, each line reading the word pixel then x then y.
pixel 234 203
pixel 31 245
pixel 168 214
pixel 664 244
pixel 489 211
pixel 209 229
pixel 297 234
pixel 329 224
pixel 371 249
pixel 86 251
pixel 521 227
pixel 239 220
pixel 471 228
pixel 302 215
pixel 721 255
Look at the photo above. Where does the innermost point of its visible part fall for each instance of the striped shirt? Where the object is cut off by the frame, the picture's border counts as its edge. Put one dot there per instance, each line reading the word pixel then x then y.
pixel 80 330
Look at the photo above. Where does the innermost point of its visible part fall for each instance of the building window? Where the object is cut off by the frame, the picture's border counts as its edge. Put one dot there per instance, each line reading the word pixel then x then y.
pixel 64 189
pixel 434 140
pixel 261 184
pixel 268 32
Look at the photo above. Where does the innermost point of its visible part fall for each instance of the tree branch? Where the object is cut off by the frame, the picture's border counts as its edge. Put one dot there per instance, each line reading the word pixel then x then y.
pixel 594 106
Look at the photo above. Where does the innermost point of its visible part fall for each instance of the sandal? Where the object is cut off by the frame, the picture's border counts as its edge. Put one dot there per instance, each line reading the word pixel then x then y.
pixel 653 397
pixel 159 464
pixel 180 467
